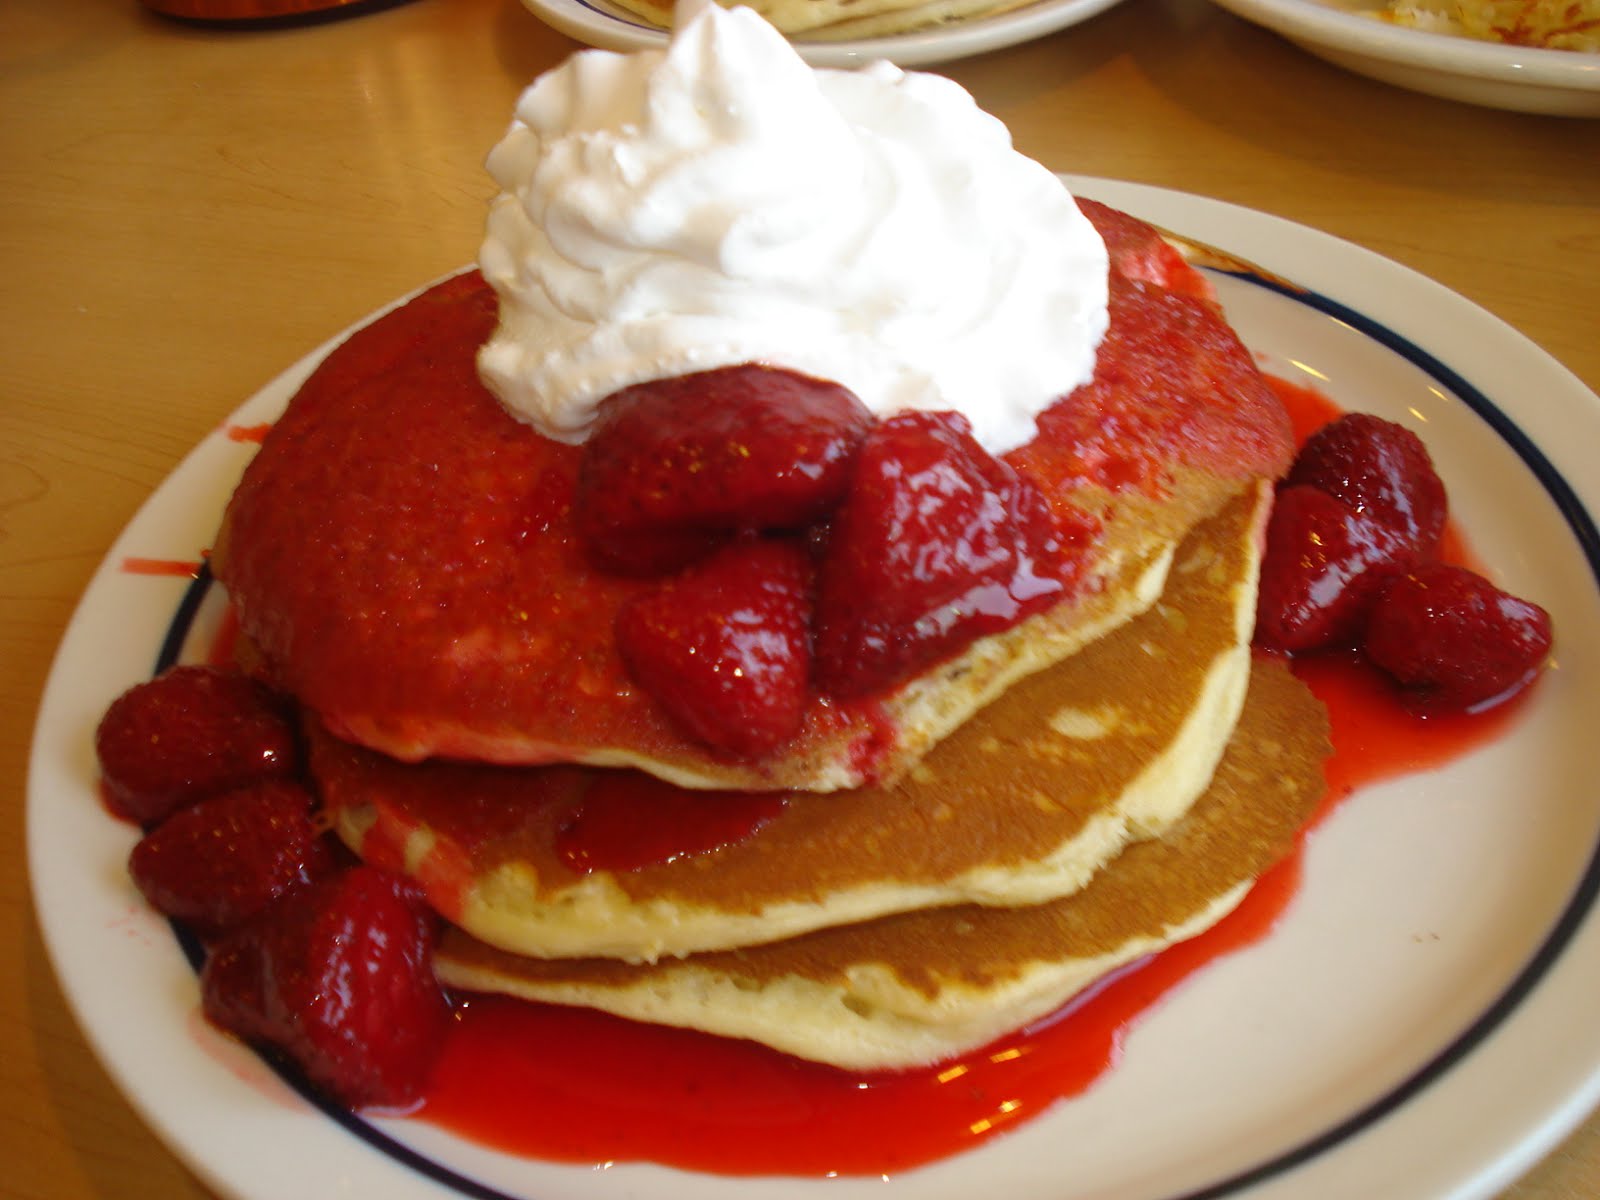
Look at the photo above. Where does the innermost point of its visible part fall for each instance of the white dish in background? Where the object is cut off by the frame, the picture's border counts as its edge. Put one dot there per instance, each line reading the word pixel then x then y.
pixel 1419 1026
pixel 1553 82
pixel 598 23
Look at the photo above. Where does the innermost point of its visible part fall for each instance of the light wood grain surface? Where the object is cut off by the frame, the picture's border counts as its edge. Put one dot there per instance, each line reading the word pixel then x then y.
pixel 184 212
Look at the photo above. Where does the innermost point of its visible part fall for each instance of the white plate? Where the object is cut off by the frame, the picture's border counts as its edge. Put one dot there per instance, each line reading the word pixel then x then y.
pixel 1557 82
pixel 598 23
pixel 1421 1023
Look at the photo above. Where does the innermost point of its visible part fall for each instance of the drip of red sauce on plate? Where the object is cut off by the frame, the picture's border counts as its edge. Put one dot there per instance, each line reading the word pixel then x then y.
pixel 179 568
pixel 248 433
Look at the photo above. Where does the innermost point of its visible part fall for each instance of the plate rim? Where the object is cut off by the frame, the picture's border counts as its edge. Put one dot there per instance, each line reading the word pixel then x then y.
pixel 1199 213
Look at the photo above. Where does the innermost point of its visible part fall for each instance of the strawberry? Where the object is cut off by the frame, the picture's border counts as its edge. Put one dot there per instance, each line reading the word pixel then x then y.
pixel 189 732
pixel 724 647
pixel 1455 641
pixel 1381 470
pixel 225 858
pixel 674 465
pixel 1323 565
pixel 936 543
pixel 338 976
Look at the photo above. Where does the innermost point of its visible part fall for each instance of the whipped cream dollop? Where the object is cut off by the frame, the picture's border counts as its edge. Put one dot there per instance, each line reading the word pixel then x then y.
pixel 721 202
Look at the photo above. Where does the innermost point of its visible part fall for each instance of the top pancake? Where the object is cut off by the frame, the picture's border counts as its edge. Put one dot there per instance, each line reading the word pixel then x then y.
pixel 401 554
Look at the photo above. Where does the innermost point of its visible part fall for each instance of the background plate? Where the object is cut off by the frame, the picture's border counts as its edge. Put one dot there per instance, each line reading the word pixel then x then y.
pixel 1557 82
pixel 596 23
pixel 1420 1024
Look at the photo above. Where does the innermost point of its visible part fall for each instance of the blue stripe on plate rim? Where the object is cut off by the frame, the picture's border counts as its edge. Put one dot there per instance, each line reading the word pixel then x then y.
pixel 1578 907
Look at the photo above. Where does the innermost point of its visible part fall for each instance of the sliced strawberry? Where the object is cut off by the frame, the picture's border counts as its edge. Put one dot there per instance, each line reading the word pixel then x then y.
pixel 724 647
pixel 1455 641
pixel 191 731
pixel 338 976
pixel 1381 470
pixel 936 543
pixel 1323 566
pixel 222 860
pixel 675 465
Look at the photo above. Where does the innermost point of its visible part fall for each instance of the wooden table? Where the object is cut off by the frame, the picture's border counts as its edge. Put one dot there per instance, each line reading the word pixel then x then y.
pixel 186 211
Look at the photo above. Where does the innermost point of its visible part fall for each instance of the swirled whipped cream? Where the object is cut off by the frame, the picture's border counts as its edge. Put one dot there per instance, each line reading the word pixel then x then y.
pixel 720 202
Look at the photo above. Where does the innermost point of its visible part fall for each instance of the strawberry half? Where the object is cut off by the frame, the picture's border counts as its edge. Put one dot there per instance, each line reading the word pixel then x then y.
pixel 1455 641
pixel 675 465
pixel 190 732
pixel 1323 566
pixel 222 860
pixel 936 543
pixel 338 976
pixel 724 647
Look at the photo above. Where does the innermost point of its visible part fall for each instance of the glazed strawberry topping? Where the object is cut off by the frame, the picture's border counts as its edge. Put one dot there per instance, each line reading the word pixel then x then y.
pixel 677 464
pixel 724 646
pixel 221 861
pixel 936 543
pixel 338 977
pixel 190 732
pixel 1454 640
pixel 1351 561
pixel 1382 471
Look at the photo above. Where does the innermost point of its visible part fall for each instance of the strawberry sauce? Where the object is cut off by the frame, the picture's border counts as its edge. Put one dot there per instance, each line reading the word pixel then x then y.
pixel 630 820
pixel 178 568
pixel 252 434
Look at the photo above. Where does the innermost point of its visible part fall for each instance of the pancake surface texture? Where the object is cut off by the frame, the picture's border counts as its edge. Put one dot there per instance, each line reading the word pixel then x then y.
pixel 1022 804
pixel 920 987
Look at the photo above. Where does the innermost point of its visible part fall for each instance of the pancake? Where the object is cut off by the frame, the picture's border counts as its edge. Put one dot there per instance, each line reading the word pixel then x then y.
pixel 1020 805
pixel 917 988
pixel 401 552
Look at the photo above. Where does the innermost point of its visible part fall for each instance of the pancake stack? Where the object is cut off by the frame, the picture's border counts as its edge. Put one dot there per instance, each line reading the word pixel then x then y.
pixel 1099 811
pixel 1059 799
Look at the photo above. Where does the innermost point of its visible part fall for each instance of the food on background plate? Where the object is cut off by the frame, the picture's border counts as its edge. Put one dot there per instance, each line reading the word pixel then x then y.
pixel 1543 24
pixel 973 676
